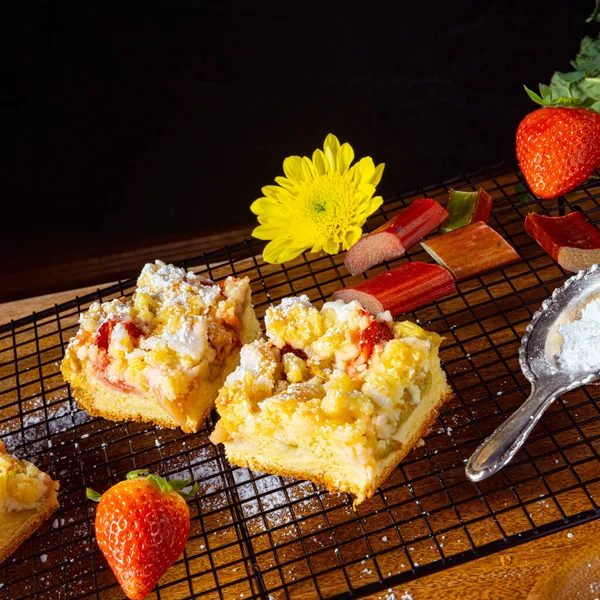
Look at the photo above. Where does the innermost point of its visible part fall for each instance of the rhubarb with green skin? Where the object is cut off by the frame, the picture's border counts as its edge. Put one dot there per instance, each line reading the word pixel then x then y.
pixel 572 241
pixel 471 250
pixel 402 289
pixel 395 237
pixel 466 208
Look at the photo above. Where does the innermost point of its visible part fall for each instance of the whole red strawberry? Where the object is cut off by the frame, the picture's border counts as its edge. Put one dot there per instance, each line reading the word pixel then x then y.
pixel 558 149
pixel 142 526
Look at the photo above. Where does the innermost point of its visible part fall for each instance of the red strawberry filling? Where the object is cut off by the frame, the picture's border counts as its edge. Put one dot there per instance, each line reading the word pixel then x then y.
pixel 371 336
pixel 102 340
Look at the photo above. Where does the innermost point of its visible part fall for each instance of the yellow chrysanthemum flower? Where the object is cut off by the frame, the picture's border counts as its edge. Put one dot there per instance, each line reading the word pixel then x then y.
pixel 320 204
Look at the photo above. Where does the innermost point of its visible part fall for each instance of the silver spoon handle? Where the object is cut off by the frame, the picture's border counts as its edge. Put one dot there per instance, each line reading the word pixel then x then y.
pixel 498 449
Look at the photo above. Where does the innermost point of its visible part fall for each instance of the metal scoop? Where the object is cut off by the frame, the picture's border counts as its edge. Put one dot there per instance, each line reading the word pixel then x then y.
pixel 537 355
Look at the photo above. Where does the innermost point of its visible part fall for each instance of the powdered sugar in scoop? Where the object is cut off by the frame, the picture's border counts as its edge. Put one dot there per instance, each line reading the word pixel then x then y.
pixel 581 341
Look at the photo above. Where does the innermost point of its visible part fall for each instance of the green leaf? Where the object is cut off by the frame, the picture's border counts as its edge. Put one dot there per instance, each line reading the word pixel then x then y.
pixel 535 97
pixel 137 473
pixel 187 495
pixel 578 88
pixel 595 16
pixel 179 484
pixel 525 196
pixel 162 484
pixel 545 90
pixel 92 495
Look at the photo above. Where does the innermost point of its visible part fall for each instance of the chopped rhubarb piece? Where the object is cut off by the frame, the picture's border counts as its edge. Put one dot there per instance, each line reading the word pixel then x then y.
pixel 395 237
pixel 471 250
pixel 572 241
pixel 466 208
pixel 401 289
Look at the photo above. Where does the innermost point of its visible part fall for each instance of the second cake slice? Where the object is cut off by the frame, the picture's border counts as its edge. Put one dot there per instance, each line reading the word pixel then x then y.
pixel 335 395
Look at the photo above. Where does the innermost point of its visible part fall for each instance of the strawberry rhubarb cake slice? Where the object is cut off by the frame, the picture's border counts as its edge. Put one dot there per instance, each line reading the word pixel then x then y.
pixel 161 355
pixel 337 396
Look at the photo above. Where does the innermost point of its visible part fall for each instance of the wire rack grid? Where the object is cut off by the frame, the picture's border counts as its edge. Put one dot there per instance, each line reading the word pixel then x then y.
pixel 255 535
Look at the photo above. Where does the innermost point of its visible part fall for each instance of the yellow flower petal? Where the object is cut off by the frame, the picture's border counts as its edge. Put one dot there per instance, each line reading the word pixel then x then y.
pixel 331 247
pixel 319 162
pixel 378 174
pixel 308 171
pixel 332 143
pixel 275 192
pixel 352 236
pixel 280 250
pixel 268 232
pixel 374 204
pixel 364 170
pixel 264 205
pixel 285 183
pixel 292 167
pixel 345 157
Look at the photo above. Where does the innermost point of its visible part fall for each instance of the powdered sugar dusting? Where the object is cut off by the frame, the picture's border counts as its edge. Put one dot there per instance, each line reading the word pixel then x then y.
pixel 581 341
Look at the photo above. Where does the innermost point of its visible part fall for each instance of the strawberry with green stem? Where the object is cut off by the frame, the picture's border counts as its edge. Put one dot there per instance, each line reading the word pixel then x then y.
pixel 558 145
pixel 142 526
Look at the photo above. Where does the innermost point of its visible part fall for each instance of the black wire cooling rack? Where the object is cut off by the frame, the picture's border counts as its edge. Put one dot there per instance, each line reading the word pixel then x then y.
pixel 260 536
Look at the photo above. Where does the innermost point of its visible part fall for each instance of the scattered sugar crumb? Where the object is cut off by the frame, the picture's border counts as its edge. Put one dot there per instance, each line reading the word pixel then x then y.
pixel 84 436
pixel 43 558
pixel 406 596
pixel 55 523
pixel 570 535
pixel 384 538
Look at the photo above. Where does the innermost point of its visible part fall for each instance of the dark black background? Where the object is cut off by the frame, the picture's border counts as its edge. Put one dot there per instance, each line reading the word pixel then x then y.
pixel 169 117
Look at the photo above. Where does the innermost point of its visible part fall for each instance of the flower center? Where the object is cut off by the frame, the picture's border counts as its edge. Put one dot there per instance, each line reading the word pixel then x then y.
pixel 329 204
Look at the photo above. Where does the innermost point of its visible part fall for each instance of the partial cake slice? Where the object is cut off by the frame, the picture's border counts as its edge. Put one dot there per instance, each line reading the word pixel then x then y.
pixel 161 355
pixel 27 499
pixel 336 395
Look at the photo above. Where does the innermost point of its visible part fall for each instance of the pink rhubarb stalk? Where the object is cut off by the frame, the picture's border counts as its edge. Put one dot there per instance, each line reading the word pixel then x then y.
pixel 471 250
pixel 395 237
pixel 572 241
pixel 401 289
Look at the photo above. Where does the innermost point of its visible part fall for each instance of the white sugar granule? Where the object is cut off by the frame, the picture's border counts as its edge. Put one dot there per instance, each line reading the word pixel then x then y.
pixel 581 341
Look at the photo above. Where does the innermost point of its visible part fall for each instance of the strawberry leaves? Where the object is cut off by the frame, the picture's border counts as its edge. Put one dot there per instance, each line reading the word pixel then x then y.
pixel 173 485
pixel 92 495
pixel 579 88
